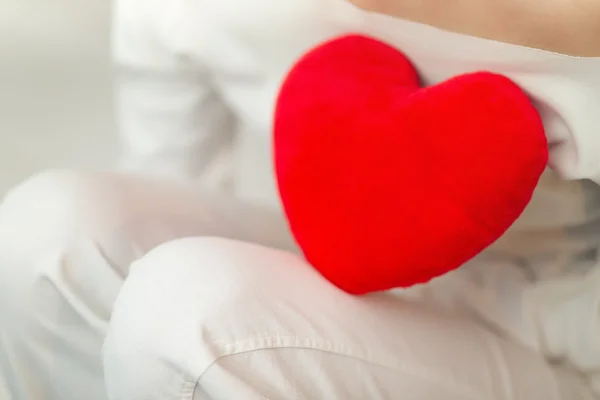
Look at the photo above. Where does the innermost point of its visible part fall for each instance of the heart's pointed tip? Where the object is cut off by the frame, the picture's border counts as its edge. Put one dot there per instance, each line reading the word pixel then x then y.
pixel 358 279
pixel 368 287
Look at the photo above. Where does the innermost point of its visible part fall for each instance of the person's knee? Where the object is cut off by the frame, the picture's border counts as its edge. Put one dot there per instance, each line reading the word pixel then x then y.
pixel 211 315
pixel 181 302
pixel 218 316
pixel 56 205
pixel 45 215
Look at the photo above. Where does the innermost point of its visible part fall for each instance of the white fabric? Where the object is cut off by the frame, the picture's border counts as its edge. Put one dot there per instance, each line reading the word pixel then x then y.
pixel 203 318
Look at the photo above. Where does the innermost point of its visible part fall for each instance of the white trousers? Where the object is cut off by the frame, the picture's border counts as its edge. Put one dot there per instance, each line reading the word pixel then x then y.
pixel 123 288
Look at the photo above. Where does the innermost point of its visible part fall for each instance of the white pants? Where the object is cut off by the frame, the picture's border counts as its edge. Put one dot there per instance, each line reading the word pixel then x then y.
pixel 118 288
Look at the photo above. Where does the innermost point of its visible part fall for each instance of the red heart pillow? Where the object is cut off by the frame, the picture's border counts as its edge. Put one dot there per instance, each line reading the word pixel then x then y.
pixel 386 184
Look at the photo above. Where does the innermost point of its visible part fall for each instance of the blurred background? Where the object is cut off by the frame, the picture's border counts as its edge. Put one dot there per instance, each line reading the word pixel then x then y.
pixel 55 87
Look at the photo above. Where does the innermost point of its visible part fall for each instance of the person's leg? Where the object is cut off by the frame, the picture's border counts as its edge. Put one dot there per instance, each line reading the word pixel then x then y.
pixel 66 242
pixel 209 318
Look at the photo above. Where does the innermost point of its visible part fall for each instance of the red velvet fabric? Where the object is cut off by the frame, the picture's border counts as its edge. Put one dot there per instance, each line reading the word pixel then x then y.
pixel 387 184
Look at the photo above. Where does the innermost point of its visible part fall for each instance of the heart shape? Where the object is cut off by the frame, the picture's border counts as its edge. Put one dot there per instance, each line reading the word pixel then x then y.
pixel 387 184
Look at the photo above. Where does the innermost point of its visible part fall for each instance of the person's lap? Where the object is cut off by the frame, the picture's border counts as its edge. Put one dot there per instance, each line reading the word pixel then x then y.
pixel 205 317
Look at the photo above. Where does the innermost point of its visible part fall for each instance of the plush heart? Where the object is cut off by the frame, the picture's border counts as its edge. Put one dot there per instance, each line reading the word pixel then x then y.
pixel 386 184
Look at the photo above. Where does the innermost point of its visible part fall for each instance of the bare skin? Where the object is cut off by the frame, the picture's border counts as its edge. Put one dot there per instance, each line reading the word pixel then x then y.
pixel 564 26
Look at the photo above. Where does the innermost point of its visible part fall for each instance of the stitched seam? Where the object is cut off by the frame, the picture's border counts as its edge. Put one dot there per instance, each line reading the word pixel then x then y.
pixel 338 350
pixel 188 388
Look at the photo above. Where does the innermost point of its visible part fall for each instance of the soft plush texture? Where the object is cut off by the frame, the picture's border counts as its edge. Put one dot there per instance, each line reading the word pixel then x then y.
pixel 386 184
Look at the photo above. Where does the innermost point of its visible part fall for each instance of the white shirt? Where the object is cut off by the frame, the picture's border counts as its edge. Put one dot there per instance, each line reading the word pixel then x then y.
pixel 197 75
